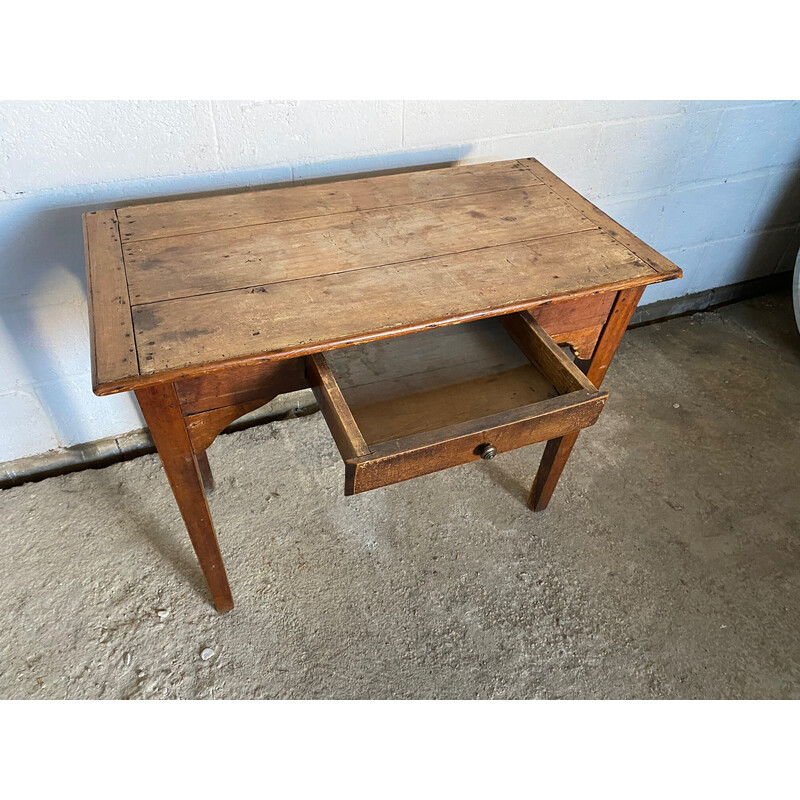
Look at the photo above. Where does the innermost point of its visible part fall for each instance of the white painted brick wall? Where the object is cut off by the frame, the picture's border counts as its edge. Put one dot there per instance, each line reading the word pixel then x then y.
pixel 291 132
pixel 53 145
pixel 714 185
pixel 25 427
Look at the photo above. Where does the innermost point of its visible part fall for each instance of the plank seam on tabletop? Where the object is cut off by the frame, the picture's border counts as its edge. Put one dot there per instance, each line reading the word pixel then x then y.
pixel 265 189
pixel 593 227
pixel 602 228
pixel 128 290
pixel 323 216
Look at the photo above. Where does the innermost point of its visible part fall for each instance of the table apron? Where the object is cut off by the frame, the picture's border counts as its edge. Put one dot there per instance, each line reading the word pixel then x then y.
pixel 212 401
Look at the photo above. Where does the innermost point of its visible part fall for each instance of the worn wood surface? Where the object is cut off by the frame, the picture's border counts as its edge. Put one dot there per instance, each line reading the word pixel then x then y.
pixel 111 327
pixel 423 453
pixel 315 314
pixel 618 320
pixel 268 274
pixel 574 313
pixel 152 220
pixel 238 385
pixel 258 255
pixel 581 341
pixel 438 406
pixel 662 265
pixel 554 459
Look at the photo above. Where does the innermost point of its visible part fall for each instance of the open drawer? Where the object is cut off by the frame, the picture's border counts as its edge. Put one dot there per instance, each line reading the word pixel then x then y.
pixel 407 406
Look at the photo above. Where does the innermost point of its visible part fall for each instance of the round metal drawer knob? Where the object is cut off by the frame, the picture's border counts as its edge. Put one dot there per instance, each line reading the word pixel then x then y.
pixel 487 451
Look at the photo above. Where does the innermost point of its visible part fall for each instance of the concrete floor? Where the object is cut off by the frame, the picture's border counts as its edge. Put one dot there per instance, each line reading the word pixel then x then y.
pixel 668 563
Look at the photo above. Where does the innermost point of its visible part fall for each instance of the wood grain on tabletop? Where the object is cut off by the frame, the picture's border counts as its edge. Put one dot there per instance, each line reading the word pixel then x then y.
pixel 296 317
pixel 295 270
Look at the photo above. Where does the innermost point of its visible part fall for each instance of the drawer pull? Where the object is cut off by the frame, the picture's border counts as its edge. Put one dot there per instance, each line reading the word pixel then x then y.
pixel 487 451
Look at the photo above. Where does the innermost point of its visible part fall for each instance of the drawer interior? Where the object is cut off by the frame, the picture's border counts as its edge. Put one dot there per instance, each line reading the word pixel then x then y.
pixel 436 378
pixel 407 406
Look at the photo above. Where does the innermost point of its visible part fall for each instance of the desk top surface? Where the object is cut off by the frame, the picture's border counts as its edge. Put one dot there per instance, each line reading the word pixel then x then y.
pixel 178 286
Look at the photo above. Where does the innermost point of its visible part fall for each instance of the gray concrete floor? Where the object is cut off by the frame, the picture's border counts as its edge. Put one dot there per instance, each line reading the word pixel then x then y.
pixel 667 566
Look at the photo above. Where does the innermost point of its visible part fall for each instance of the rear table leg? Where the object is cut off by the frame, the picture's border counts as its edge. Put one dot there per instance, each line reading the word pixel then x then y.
pixel 557 451
pixel 205 471
pixel 162 412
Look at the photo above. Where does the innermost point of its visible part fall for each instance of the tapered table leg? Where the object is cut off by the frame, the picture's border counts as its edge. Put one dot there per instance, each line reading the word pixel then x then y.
pixel 556 451
pixel 162 412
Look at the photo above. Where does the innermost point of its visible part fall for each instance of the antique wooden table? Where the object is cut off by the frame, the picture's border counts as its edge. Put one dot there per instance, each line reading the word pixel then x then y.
pixel 425 309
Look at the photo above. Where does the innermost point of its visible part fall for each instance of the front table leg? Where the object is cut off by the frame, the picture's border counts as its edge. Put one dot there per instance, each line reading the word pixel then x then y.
pixel 162 411
pixel 557 451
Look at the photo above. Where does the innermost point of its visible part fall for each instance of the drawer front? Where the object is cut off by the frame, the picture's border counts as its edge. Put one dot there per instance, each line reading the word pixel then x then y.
pixel 396 461
pixel 373 460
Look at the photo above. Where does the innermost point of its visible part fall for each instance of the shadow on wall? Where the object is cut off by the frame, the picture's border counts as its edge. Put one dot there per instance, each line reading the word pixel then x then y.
pixel 777 245
pixel 43 303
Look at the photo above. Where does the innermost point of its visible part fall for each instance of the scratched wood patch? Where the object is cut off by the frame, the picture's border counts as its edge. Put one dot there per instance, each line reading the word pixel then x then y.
pixel 257 255
pixel 265 204
pixel 300 316
pixel 111 326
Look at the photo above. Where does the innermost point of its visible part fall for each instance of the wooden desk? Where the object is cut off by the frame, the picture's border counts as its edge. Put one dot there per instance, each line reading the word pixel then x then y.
pixel 209 307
